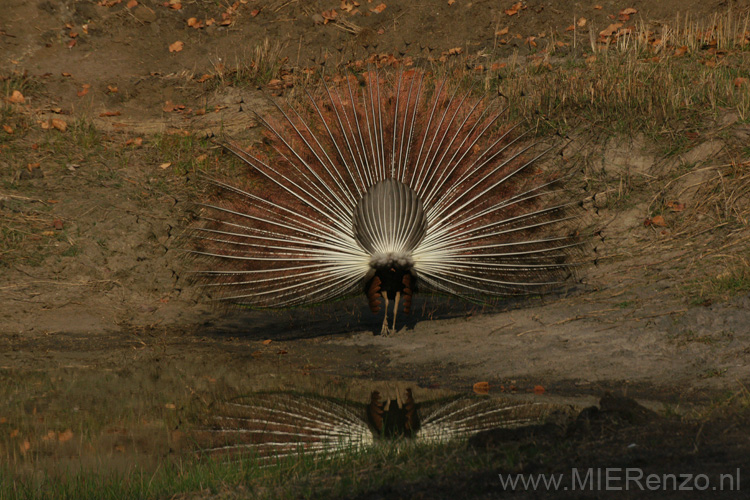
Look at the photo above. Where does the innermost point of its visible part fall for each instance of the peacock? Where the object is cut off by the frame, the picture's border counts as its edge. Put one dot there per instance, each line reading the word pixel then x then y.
pixel 385 184
pixel 276 424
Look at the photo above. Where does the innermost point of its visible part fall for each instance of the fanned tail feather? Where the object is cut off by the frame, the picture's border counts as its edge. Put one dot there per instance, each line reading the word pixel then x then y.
pixel 496 223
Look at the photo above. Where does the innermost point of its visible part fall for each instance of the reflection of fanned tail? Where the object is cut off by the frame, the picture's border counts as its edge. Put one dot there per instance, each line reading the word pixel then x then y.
pixel 465 416
pixel 279 424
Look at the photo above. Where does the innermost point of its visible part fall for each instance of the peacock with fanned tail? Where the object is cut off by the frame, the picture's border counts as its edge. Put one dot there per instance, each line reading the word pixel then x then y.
pixel 384 186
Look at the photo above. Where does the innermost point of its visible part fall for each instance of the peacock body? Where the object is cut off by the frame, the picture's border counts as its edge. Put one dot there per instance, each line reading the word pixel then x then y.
pixel 383 186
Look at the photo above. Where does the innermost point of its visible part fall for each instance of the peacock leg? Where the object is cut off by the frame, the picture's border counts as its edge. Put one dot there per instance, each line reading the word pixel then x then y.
pixel 384 330
pixel 395 311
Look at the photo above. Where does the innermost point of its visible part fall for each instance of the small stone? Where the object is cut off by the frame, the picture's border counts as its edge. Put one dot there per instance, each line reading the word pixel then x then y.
pixel 143 13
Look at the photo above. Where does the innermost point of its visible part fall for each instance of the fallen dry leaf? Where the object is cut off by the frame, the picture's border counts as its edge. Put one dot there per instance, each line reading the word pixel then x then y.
pixel 8 129
pixel 16 97
pixel 481 388
pixel 267 341
pixel 581 22
pixel 675 206
pixel 25 446
pixel 59 124
pixel 136 142
pixel 515 8
pixel 109 113
pixel 598 7
pixel 657 220
pixel 165 166
pixel 610 30
pixel 628 12
pixel 740 81
pixel 131 4
pixel 538 389
pixel 176 46
pixel 680 51
pixel 84 90
pixel 170 406
pixel 502 32
pixel 378 9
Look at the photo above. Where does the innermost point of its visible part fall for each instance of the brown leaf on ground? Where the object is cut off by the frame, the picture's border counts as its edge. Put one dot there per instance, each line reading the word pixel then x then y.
pixel 740 81
pixel 59 124
pixel 581 22
pixel 656 220
pixel 675 206
pixel 131 4
pixel 515 8
pixel 8 129
pixel 628 12
pixel 538 389
pixel 84 90
pixel 379 8
pixel 502 32
pixel 481 388
pixel 176 46
pixel 16 97
pixel 610 30
pixel 109 113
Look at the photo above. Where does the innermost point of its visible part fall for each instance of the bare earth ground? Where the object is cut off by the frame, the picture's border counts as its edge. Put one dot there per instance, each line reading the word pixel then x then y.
pixel 92 280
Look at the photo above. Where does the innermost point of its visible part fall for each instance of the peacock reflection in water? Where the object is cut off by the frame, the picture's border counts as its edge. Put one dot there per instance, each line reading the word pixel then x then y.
pixel 274 425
